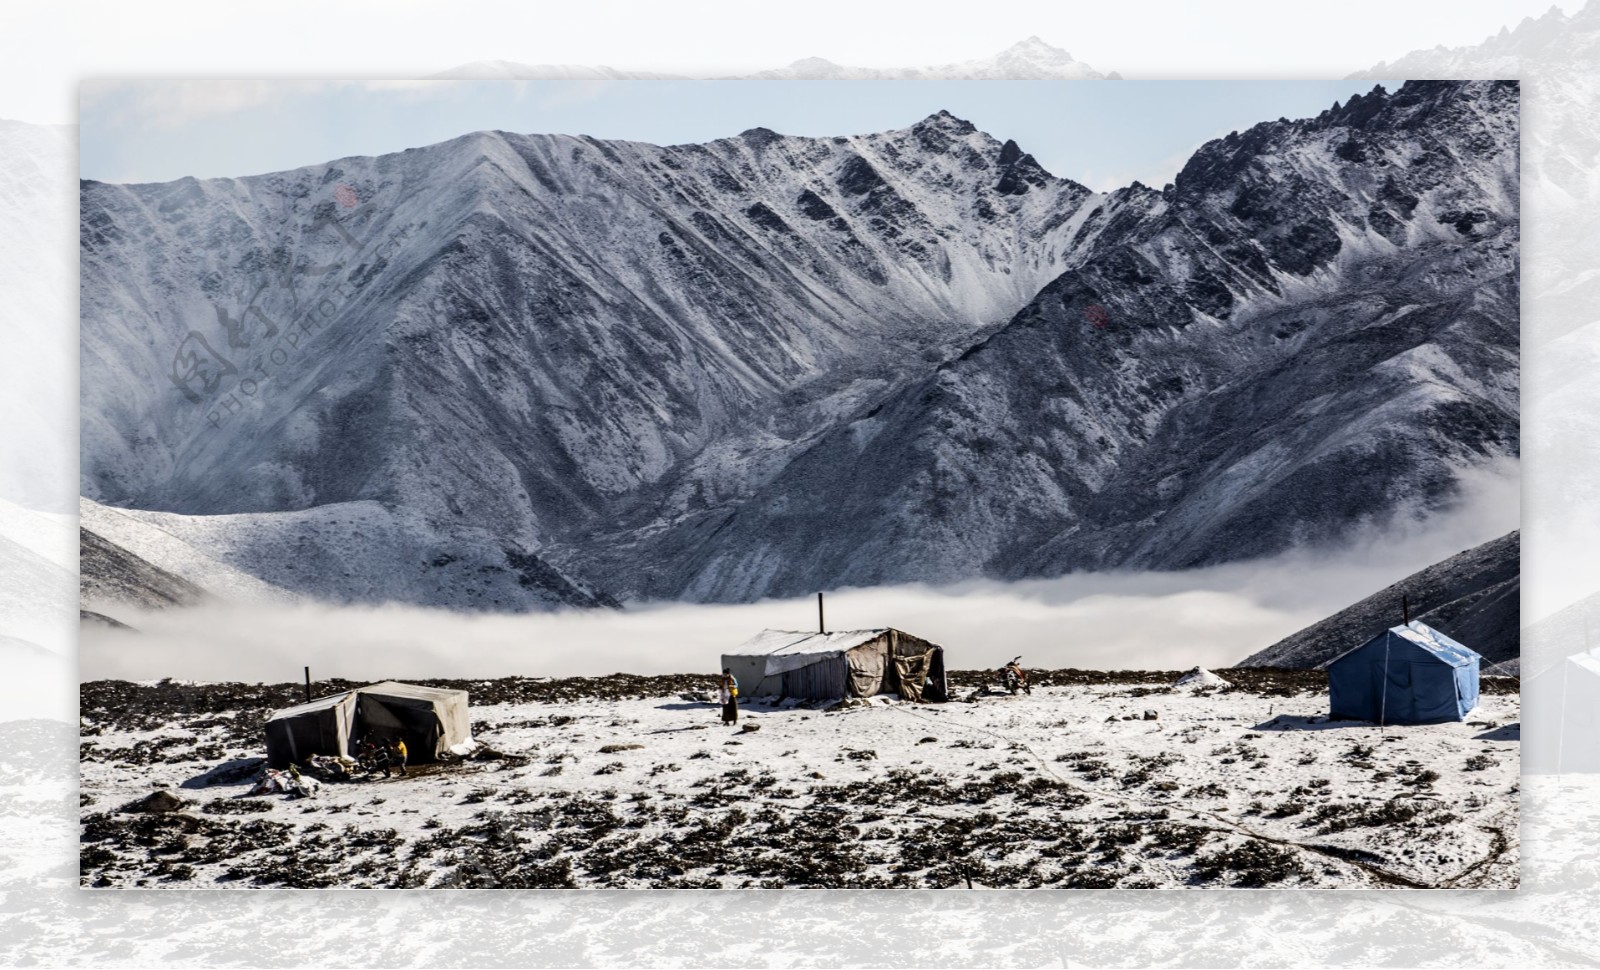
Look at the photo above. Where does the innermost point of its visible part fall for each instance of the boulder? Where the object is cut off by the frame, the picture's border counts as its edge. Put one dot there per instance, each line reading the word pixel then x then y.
pixel 157 802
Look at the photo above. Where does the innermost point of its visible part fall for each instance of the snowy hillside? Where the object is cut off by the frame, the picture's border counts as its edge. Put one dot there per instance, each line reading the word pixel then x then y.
pixel 346 552
pixel 770 364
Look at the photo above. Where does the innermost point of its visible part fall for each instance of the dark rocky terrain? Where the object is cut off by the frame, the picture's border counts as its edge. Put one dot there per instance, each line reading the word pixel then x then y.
pixel 1097 779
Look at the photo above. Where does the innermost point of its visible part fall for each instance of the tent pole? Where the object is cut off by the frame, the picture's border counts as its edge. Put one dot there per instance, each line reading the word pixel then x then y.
pixel 1383 702
pixel 308 685
pixel 821 626
pixel 1561 739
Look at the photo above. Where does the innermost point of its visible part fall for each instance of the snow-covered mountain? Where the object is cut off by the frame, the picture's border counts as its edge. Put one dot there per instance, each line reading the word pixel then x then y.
pixel 769 364
pixel 500 70
pixel 1031 59
pixel 1506 53
pixel 1311 329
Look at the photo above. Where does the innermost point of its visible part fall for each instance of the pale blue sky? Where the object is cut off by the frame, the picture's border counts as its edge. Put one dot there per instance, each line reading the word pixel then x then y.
pixel 1101 133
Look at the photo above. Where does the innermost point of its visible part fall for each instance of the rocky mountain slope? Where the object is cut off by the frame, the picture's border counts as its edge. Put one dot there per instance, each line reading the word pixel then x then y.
pixel 769 364
pixel 1307 331
pixel 1473 596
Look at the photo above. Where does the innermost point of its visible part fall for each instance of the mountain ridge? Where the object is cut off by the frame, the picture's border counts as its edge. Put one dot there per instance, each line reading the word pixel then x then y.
pixel 641 339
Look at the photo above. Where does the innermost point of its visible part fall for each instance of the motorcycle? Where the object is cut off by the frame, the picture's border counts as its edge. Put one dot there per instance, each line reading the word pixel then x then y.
pixel 1014 678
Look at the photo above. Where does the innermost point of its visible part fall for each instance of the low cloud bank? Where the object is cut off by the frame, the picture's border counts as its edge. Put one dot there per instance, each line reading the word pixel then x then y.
pixel 1164 620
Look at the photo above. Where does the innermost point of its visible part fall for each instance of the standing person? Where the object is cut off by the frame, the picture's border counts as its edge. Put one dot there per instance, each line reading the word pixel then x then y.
pixel 397 755
pixel 730 697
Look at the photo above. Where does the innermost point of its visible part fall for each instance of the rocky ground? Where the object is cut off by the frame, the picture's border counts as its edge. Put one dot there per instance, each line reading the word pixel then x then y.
pixel 1097 779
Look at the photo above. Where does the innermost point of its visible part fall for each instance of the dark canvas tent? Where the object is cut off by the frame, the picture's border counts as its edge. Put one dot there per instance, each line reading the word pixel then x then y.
pixel 432 721
pixel 848 663
pixel 323 726
pixel 1563 701
pixel 1410 674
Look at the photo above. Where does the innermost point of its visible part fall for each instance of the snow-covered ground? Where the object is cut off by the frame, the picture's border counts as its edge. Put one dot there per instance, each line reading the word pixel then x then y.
pixel 601 784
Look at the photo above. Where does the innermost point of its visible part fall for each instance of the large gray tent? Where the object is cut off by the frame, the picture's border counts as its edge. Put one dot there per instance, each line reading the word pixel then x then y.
pixel 1564 701
pixel 849 663
pixel 432 721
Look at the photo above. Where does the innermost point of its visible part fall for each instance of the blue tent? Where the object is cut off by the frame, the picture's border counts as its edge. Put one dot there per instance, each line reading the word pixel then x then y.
pixel 1410 674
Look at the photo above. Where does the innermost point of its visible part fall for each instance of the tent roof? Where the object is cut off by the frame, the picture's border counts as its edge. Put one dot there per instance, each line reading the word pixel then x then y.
pixel 1587 661
pixel 1427 638
pixel 393 688
pixel 772 643
pixel 320 704
pixel 1451 652
pixel 388 688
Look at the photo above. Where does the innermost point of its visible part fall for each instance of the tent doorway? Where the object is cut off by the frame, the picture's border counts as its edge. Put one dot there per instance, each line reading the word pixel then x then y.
pixel 383 723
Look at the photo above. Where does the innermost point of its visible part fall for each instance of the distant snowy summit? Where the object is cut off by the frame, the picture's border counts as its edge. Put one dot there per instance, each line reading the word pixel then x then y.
pixel 1031 59
pixel 1028 60
pixel 1571 41
pixel 498 70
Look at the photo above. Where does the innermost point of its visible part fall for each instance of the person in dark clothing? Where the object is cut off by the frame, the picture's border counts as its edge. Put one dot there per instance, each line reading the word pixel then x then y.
pixel 367 756
pixel 730 697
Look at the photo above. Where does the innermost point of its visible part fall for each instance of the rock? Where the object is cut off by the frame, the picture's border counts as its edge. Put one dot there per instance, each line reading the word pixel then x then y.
pixel 228 773
pixel 749 728
pixel 614 748
pixel 1151 715
pixel 928 740
pixel 157 802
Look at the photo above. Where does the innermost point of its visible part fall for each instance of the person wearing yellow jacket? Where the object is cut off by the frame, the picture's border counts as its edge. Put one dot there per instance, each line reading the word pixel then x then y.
pixel 397 758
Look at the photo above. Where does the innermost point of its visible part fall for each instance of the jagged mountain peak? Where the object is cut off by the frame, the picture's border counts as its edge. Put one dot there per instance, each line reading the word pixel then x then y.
pixel 946 121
